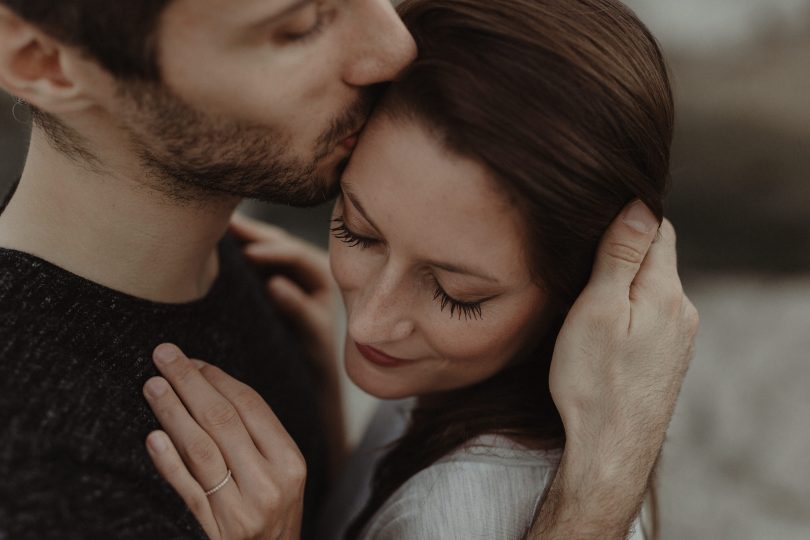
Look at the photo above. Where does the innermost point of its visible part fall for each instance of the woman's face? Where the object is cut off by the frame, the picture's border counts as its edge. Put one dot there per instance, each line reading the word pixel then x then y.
pixel 429 256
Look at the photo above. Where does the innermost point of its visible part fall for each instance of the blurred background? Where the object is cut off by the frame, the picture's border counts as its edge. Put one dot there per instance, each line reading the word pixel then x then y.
pixel 737 461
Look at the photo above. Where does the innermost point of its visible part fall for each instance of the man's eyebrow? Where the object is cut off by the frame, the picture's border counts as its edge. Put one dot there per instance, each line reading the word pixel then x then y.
pixel 284 12
pixel 356 203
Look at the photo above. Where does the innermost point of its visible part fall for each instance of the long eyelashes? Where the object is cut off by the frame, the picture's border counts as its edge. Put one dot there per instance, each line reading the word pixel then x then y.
pixel 468 310
pixel 341 232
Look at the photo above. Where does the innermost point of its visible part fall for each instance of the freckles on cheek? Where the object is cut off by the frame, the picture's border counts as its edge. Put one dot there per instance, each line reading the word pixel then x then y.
pixel 463 341
pixel 348 267
pixel 493 342
pixel 339 263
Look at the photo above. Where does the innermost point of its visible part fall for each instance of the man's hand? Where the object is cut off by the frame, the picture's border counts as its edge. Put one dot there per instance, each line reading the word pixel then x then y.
pixel 615 376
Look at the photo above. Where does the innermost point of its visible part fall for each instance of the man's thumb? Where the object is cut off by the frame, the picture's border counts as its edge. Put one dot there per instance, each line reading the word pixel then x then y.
pixel 624 247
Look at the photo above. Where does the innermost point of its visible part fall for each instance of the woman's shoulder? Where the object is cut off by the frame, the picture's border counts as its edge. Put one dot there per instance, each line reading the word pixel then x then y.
pixel 502 451
pixel 488 488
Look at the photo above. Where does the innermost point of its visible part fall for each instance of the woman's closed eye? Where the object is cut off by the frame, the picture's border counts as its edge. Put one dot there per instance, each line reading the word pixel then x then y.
pixel 341 231
pixel 458 308
pixel 468 310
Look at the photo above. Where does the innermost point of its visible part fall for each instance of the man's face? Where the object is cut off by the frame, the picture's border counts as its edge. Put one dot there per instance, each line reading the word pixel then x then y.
pixel 262 98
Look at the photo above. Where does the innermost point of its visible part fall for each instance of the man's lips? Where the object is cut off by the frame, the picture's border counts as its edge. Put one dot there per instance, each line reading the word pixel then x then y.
pixel 378 357
pixel 351 141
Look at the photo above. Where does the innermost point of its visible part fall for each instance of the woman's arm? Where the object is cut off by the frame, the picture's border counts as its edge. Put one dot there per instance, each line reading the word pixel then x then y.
pixel 224 451
pixel 304 290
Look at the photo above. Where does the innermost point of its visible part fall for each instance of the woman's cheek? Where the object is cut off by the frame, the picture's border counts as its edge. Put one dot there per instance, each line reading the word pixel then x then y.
pixel 342 263
pixel 481 347
pixel 462 340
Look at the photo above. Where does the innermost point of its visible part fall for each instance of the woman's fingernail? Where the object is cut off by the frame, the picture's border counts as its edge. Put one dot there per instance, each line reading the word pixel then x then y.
pixel 156 387
pixel 166 353
pixel 157 442
pixel 639 217
pixel 199 364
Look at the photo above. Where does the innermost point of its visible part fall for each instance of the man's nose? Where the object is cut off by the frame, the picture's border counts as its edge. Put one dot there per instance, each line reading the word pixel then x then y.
pixel 382 46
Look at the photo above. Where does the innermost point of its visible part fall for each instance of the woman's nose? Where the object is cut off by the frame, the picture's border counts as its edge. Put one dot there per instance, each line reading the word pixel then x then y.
pixel 381 315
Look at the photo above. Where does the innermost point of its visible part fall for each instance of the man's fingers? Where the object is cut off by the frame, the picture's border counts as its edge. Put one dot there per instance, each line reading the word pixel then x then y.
pixel 170 465
pixel 659 272
pixel 623 250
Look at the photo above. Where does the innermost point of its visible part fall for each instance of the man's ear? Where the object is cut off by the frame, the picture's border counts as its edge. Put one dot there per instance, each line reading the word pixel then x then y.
pixel 39 69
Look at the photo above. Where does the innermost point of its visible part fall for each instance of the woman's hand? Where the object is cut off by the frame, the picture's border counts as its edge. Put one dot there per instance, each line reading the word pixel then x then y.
pixel 304 289
pixel 306 293
pixel 224 451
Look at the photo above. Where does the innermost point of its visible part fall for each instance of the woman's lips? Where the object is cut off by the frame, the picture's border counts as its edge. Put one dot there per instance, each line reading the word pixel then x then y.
pixel 378 357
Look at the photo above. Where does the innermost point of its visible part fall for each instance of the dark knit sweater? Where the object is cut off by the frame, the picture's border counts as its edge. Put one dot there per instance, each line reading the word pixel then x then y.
pixel 73 359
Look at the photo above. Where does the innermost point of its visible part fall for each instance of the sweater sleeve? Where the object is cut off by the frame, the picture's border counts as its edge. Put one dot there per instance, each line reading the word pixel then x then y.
pixel 57 498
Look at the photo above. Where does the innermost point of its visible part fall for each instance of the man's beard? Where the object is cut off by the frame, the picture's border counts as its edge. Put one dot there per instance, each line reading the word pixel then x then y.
pixel 193 157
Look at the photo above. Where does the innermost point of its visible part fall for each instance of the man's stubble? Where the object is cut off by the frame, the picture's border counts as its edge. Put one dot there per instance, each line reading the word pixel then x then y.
pixel 193 157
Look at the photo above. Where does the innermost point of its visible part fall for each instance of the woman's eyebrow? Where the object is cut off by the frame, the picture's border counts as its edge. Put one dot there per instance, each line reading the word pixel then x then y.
pixel 453 268
pixel 283 12
pixel 462 269
pixel 356 203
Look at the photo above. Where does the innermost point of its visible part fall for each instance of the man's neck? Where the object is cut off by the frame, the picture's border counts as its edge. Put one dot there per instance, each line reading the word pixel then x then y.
pixel 108 227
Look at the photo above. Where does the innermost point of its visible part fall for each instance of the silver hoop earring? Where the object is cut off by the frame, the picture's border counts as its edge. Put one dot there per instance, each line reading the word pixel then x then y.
pixel 19 102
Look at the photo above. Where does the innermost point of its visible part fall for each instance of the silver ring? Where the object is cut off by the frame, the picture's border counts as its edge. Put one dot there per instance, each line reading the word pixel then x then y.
pixel 220 485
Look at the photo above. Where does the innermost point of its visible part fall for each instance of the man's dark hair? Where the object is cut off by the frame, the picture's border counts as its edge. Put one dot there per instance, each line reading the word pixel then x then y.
pixel 119 35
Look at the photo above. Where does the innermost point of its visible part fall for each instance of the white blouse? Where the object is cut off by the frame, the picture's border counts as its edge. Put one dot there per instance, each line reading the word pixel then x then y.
pixel 488 489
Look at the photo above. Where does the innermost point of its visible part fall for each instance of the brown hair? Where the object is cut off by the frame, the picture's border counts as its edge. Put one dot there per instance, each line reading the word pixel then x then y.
pixel 120 36
pixel 568 103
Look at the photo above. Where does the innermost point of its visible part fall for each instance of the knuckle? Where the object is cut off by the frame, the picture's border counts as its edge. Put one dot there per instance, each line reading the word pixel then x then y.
pixel 202 452
pixel 625 254
pixel 171 468
pixel 182 372
pixel 667 230
pixel 210 371
pixel 253 527
pixel 270 496
pixel 221 414
pixel 670 297
pixel 692 319
pixel 296 470
pixel 673 304
pixel 247 400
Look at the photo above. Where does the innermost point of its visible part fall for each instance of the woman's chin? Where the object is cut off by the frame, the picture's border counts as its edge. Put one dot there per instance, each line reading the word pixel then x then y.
pixel 375 381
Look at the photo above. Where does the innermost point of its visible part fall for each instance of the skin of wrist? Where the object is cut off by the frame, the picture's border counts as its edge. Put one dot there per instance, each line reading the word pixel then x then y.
pixel 618 470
